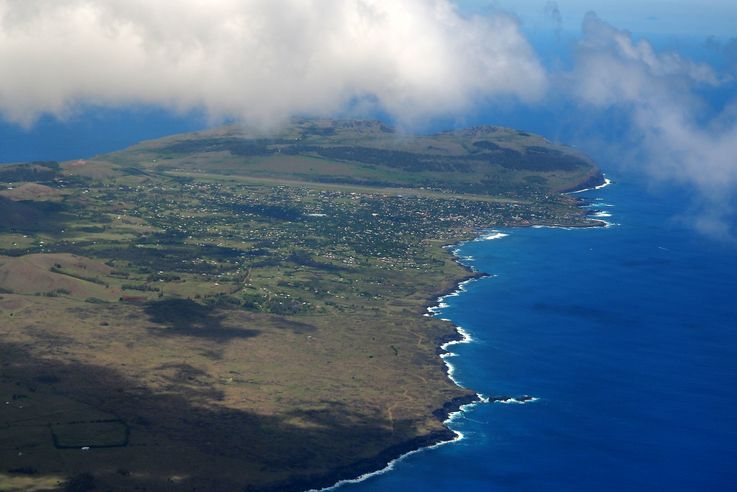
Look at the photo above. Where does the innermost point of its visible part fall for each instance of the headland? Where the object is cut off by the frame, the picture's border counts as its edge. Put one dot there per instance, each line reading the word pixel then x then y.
pixel 227 311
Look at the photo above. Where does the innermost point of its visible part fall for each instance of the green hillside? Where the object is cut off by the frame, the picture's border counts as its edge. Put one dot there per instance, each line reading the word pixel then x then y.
pixel 481 160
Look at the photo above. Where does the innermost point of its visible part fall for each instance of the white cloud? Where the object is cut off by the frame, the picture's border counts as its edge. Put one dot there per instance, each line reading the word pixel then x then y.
pixel 258 60
pixel 613 68
pixel 671 132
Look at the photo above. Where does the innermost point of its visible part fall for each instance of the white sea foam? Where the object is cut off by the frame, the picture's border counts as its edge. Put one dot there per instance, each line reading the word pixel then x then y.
pixel 491 236
pixel 465 338
pixel 598 205
pixel 390 466
pixel 565 228
pixel 606 183
pixel 602 214
pixel 515 401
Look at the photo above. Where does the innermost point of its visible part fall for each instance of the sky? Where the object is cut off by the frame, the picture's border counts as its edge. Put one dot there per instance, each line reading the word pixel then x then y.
pixel 680 17
pixel 586 67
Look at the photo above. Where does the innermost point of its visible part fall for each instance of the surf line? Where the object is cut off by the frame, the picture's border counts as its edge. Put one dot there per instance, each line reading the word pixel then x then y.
pixel 465 338
pixel 606 183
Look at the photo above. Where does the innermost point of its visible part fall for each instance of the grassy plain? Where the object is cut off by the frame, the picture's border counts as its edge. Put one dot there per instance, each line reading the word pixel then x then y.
pixel 230 321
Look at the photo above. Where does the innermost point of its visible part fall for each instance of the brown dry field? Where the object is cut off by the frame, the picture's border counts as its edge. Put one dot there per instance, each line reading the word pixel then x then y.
pixel 232 399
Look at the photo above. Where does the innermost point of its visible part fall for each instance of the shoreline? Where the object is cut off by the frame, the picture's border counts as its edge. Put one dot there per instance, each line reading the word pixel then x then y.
pixel 382 464
pixel 452 409
pixel 606 182
pixel 595 181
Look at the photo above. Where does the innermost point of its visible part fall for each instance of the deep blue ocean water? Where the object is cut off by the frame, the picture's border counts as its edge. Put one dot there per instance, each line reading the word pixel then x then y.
pixel 89 132
pixel 628 337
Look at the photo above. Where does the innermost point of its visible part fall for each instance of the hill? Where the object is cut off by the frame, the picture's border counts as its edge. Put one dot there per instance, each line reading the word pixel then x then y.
pixel 481 160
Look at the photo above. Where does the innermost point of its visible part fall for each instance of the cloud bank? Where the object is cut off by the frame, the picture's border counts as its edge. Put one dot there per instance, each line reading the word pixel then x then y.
pixel 259 61
pixel 673 135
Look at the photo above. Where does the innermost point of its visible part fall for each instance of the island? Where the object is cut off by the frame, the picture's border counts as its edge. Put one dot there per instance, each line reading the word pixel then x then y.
pixel 247 311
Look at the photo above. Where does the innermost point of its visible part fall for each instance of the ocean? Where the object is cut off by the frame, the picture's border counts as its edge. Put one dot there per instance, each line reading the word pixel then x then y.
pixel 626 336
pixel 89 132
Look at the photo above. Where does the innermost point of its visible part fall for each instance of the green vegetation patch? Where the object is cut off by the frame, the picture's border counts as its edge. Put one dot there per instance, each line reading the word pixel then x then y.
pixel 483 160
pixel 31 216
pixel 36 172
